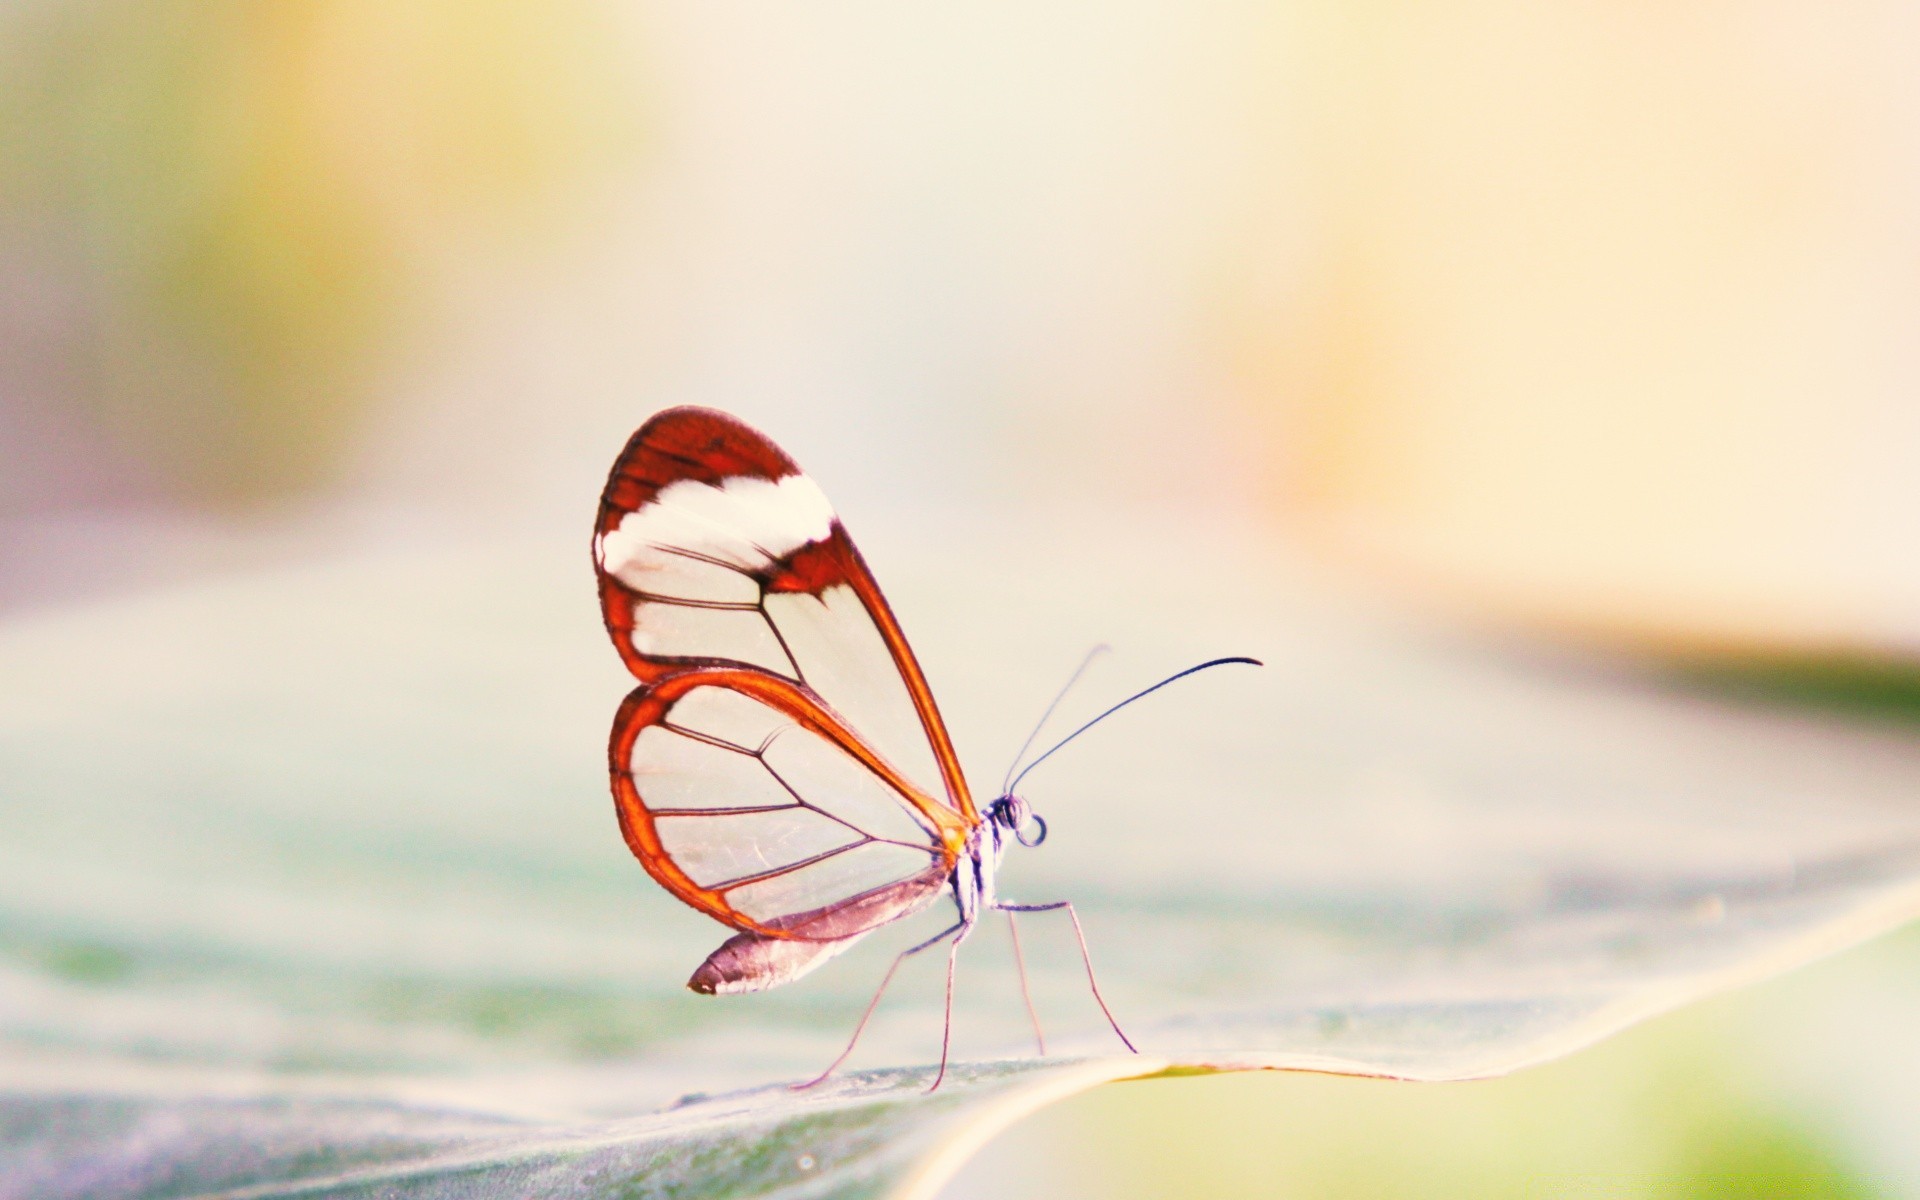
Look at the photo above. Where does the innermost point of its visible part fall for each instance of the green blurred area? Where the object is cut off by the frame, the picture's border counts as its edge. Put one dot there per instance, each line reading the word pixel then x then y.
pixel 1771 1092
pixel 1609 1128
pixel 258 201
pixel 1884 690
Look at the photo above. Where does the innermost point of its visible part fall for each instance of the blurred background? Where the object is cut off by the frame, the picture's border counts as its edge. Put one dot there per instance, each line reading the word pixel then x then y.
pixel 1591 324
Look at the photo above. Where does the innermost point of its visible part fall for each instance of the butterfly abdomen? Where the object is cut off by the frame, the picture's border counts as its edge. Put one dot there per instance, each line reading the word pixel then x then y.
pixel 749 962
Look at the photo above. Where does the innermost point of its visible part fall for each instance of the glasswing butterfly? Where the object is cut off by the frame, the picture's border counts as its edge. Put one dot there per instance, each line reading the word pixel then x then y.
pixel 782 766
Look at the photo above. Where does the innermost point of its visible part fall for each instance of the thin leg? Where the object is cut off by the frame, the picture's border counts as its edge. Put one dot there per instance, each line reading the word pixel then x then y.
pixel 880 991
pixel 1020 965
pixel 946 1028
pixel 1085 956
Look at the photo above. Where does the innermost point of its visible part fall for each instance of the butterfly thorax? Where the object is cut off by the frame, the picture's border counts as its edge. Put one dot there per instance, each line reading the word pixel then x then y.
pixel 1008 819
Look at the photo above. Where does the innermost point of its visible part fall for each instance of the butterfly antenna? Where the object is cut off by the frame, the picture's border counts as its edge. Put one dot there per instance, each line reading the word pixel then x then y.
pixel 1212 662
pixel 1006 781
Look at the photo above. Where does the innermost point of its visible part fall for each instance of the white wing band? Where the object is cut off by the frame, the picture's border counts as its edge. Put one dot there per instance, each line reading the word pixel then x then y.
pixel 745 522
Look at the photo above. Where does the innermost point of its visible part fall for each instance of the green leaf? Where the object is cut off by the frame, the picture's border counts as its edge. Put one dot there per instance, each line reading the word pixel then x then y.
pixel 309 882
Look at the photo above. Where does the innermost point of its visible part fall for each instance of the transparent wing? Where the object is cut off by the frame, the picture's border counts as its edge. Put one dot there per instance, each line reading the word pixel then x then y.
pixel 751 802
pixel 713 550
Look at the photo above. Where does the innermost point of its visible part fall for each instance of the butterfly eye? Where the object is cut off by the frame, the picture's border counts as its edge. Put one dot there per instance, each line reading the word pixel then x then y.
pixel 1039 833
pixel 1009 812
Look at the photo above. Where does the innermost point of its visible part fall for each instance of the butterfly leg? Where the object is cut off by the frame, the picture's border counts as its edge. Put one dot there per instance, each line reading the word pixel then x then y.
pixel 1086 957
pixel 957 928
pixel 946 1028
pixel 1026 994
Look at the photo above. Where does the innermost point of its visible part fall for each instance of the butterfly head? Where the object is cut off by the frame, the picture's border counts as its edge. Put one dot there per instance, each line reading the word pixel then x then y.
pixel 1015 815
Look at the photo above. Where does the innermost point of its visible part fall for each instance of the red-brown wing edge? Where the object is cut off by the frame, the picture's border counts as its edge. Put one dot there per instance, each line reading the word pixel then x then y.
pixel 674 444
pixel 688 442
pixel 647 706
pixel 860 578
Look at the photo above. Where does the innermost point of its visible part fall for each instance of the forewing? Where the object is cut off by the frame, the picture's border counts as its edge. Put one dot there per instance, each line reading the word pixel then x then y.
pixel 714 550
pixel 750 801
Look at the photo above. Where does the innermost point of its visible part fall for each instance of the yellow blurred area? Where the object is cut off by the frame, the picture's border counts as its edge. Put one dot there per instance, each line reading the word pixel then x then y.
pixel 253 198
pixel 1594 318
pixel 1613 319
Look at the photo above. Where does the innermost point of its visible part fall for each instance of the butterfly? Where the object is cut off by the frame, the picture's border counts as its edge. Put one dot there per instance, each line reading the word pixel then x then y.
pixel 782 765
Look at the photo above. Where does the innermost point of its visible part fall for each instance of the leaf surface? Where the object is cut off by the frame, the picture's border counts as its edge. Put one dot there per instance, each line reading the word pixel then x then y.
pixel 310 885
